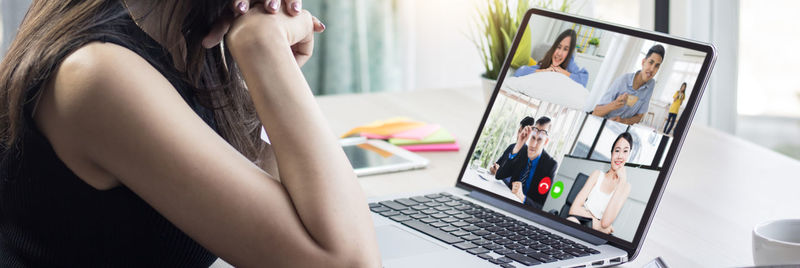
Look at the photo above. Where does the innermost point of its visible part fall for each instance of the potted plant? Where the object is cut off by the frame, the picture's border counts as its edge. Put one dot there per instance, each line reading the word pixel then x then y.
pixel 593 44
pixel 495 28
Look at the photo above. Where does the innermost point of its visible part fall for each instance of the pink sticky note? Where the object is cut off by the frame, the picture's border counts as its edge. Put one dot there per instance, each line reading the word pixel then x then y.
pixel 417 133
pixel 440 147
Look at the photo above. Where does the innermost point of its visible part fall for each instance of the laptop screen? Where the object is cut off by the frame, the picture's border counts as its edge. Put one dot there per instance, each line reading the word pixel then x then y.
pixel 583 122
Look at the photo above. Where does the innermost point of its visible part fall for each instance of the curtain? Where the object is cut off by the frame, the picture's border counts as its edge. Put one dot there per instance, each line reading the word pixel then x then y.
pixel 359 51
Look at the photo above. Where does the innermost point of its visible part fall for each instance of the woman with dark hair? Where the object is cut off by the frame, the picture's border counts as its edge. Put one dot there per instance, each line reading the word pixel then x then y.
pixel 129 139
pixel 601 198
pixel 559 59
pixel 677 100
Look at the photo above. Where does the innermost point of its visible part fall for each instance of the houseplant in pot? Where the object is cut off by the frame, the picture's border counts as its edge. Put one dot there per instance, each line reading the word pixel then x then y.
pixel 495 27
pixel 593 44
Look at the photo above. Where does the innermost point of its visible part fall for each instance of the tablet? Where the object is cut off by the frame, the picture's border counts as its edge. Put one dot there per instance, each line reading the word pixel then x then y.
pixel 369 157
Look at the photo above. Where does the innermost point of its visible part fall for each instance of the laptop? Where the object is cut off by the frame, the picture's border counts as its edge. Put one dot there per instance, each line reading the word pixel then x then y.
pixel 571 156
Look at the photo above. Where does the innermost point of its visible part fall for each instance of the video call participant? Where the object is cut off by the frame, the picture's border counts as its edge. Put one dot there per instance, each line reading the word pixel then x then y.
pixel 559 59
pixel 601 198
pixel 677 100
pixel 532 170
pixel 527 121
pixel 628 98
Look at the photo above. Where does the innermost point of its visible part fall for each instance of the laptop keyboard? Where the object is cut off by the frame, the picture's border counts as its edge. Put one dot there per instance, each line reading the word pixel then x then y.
pixel 479 231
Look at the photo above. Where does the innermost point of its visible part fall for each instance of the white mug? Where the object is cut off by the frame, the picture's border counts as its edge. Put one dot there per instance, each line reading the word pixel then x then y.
pixel 777 242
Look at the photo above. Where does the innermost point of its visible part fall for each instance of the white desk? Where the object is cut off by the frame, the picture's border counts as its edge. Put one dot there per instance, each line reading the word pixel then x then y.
pixel 721 187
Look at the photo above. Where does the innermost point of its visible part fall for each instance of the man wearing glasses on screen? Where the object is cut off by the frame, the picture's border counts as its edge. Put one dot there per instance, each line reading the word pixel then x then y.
pixel 532 170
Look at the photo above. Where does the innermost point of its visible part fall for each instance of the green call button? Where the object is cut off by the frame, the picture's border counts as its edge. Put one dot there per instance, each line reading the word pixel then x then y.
pixel 558 188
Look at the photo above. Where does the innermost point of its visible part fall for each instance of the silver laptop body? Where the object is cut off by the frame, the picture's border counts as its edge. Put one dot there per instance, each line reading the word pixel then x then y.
pixel 407 239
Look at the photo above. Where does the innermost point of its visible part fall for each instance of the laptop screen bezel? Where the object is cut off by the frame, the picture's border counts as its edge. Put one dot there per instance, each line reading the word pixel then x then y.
pixel 681 128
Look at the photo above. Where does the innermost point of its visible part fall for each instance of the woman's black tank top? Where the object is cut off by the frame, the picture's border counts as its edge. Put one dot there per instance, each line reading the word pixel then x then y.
pixel 49 217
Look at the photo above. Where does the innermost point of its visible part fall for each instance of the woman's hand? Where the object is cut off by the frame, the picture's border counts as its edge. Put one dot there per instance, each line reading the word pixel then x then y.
pixel 516 189
pixel 258 34
pixel 560 70
pixel 241 7
pixel 622 175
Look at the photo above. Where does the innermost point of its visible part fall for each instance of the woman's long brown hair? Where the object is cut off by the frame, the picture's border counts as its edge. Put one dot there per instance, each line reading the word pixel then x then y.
pixel 53 29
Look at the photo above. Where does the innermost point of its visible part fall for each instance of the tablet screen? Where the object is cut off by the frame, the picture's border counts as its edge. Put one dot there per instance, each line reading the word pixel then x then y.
pixel 366 156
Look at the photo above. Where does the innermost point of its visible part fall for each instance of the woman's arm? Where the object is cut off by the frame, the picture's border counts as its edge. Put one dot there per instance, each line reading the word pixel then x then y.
pixel 615 204
pixel 111 116
pixel 577 205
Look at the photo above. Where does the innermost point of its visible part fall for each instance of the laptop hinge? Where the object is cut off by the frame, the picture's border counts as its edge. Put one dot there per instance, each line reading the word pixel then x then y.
pixel 569 230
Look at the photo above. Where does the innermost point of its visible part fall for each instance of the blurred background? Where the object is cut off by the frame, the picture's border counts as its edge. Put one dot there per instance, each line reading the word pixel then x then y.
pixel 405 45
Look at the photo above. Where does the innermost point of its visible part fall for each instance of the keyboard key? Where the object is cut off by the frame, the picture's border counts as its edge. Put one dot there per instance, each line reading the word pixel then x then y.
pixel 400 218
pixel 541 257
pixel 407 202
pixel 432 231
pixel 552 251
pixel 492 246
pixel 564 256
pixel 481 232
pixel 452 212
pixel 446 194
pixel 439 224
pixel 505 233
pixel 453 204
pixel 493 237
pixel 393 205
pixel 462 207
pixel 372 205
pixel 526 251
pixel 433 204
pixel 506 265
pixel 442 208
pixel 462 216
pixel 409 212
pixel 419 207
pixel 420 199
pixel 576 252
pixel 480 242
pixel 484 256
pixel 504 224
pixel 458 233
pixel 494 229
pixel 516 228
pixel 525 260
pixel 502 260
pixel 528 242
pixel 516 237
pixel 540 247
pixel 472 219
pixel 478 251
pixel 430 220
pixel 504 241
pixel 430 211
pixel 515 247
pixel 379 209
pixel 443 199
pixel 419 216
pixel 450 229
pixel 471 237
pixel 470 228
pixel 433 196
pixel 440 216
pixel 390 213
pixel 459 224
pixel 450 220
pixel 483 224
pixel 503 251
pixel 591 251
pixel 465 245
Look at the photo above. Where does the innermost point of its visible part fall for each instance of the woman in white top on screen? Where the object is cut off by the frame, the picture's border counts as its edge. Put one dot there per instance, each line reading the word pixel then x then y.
pixel 601 198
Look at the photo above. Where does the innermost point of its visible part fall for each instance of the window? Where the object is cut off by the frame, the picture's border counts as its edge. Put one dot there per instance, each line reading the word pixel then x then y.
pixel 768 96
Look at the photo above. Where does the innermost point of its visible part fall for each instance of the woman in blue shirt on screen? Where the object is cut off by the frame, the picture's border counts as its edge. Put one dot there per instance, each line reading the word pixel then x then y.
pixel 559 59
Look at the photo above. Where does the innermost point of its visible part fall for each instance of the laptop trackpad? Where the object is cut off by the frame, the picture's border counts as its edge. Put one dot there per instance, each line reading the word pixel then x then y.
pixel 397 243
